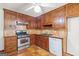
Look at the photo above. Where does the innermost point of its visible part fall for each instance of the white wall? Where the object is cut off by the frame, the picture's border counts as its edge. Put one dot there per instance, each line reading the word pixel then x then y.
pixel 73 36
pixel 1 29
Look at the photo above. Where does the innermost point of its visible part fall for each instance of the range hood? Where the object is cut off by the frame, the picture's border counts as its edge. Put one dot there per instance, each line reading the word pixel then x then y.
pixel 21 23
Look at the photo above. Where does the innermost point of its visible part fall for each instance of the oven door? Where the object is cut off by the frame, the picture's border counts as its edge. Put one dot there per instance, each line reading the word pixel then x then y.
pixel 23 41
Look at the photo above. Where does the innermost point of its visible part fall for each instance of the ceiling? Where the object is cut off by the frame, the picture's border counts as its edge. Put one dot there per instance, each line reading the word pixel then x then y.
pixel 21 7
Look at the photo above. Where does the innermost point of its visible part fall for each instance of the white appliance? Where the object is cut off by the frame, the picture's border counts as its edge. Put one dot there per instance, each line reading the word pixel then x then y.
pixel 55 46
pixel 73 36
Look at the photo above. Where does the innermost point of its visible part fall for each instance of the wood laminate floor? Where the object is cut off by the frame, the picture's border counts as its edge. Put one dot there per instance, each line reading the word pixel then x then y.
pixel 34 51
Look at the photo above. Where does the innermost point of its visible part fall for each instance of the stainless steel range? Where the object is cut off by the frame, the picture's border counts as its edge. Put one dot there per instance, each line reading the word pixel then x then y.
pixel 23 39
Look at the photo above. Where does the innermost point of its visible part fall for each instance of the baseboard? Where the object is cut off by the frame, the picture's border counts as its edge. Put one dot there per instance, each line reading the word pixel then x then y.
pixel 69 54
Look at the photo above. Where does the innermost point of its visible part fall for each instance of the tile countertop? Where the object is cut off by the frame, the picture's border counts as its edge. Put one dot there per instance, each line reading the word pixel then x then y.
pixel 52 35
pixel 59 34
pixel 49 36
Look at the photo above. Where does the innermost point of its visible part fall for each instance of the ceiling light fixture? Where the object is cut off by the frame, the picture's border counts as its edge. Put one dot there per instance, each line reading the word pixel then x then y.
pixel 37 9
pixel 45 4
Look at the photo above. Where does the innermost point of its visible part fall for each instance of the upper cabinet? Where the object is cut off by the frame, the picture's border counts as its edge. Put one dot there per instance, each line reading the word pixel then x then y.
pixel 19 17
pixel 58 18
pixel 38 23
pixel 47 19
pixel 16 21
pixel 54 19
pixel 10 18
pixel 72 9
pixel 27 19
pixel 32 24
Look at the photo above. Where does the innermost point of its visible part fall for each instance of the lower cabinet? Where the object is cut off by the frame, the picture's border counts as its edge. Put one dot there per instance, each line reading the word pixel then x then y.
pixel 10 45
pixel 42 41
pixel 32 39
pixel 46 43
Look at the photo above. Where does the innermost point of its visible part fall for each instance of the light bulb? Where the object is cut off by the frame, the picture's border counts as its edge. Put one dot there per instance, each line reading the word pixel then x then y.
pixel 37 9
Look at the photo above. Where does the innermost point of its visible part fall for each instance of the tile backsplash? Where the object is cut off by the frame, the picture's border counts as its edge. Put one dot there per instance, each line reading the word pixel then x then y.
pixel 58 33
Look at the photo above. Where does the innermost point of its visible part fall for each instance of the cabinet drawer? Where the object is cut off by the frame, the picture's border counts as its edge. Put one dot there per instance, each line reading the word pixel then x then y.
pixel 8 39
pixel 10 49
pixel 9 44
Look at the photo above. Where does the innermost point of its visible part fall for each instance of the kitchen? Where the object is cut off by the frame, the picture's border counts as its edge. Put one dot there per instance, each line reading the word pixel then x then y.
pixel 44 33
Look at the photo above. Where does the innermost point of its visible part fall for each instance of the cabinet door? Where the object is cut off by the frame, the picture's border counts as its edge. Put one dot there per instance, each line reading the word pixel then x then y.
pixel 41 44
pixel 42 41
pixel 72 9
pixel 47 19
pixel 38 40
pixel 59 22
pixel 32 23
pixel 38 22
pixel 42 18
pixel 10 41
pixel 10 44
pixel 46 43
pixel 10 18
pixel 32 39
pixel 59 18
pixel 26 19
pixel 19 17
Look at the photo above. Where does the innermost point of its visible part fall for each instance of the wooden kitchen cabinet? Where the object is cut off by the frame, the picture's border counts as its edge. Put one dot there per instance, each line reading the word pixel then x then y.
pixel 42 41
pixel 54 19
pixel 26 19
pixel 10 18
pixel 37 41
pixel 47 19
pixel 32 39
pixel 72 9
pixel 32 23
pixel 10 44
pixel 44 21
pixel 19 17
pixel 58 18
pixel 46 42
pixel 38 23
